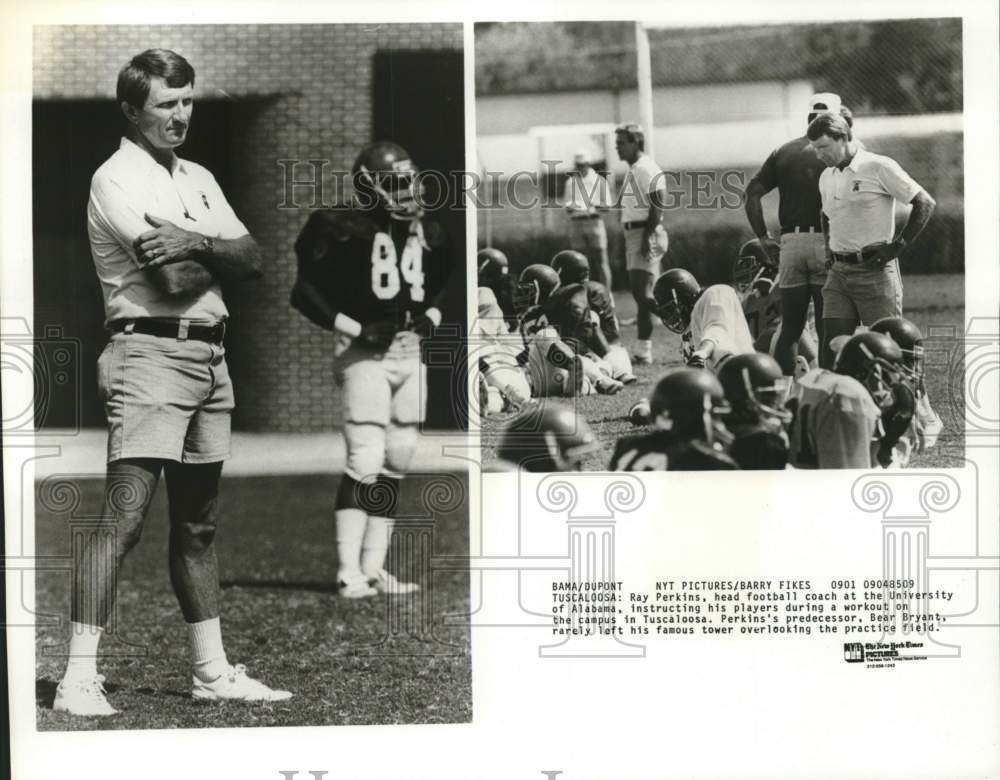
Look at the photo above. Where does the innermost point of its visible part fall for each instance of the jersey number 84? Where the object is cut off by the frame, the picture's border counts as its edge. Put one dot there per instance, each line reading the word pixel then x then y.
pixel 386 268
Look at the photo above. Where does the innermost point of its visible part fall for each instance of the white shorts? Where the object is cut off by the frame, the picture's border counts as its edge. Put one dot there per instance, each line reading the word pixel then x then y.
pixel 649 261
pixel 382 388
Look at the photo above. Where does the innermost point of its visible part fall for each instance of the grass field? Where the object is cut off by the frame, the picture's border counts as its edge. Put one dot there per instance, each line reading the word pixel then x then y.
pixel 935 303
pixel 280 616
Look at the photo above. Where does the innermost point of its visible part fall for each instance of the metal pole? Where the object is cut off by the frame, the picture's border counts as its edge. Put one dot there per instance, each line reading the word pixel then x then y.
pixel 645 77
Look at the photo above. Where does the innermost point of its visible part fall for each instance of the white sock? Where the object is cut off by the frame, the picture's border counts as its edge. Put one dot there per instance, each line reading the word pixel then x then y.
pixel 83 642
pixel 350 535
pixel 208 657
pixel 375 546
pixel 644 347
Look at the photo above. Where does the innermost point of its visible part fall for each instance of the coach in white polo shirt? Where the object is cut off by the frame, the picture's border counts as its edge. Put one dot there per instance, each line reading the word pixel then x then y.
pixel 859 191
pixel 642 203
pixel 585 196
pixel 162 237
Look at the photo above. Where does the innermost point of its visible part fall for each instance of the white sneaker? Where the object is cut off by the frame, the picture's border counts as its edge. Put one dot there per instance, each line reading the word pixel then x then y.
pixel 83 696
pixel 355 588
pixel 608 386
pixel 386 583
pixel 234 685
pixel 642 355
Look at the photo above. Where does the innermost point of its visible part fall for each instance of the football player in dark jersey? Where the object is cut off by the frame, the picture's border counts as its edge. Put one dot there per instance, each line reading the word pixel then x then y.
pixel 573 268
pixel 687 409
pixel 853 416
pixel 926 425
pixel 756 392
pixel 493 273
pixel 374 275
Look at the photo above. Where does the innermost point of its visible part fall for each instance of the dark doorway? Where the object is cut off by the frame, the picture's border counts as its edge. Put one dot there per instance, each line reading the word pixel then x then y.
pixel 420 104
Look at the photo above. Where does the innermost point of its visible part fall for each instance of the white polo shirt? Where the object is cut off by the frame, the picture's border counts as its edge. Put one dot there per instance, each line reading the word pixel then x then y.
pixel 583 194
pixel 129 185
pixel 718 316
pixel 860 200
pixel 643 177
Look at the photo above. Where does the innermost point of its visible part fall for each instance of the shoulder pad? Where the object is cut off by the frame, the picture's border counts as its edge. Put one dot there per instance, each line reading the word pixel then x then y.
pixel 331 226
pixel 434 234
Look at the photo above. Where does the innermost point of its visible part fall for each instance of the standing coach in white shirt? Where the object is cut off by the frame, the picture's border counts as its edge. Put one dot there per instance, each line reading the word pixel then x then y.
pixel 585 196
pixel 163 237
pixel 642 202
pixel 859 191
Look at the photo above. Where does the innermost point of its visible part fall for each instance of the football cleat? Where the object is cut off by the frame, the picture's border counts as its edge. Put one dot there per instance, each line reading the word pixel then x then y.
pixel 642 355
pixel 390 586
pixel 235 685
pixel 84 696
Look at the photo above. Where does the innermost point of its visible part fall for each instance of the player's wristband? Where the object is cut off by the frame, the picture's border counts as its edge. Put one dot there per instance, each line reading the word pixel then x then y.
pixel 434 315
pixel 347 326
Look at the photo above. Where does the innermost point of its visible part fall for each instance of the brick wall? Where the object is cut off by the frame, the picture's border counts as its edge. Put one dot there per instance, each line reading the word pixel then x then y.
pixel 305 93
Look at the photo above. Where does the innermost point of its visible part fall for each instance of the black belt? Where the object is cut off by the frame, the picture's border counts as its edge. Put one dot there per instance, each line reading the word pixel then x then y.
pixel 632 225
pixel 584 217
pixel 172 329
pixel 801 229
pixel 854 258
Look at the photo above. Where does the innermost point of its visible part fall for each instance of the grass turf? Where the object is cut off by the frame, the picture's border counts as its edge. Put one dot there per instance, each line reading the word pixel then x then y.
pixel 934 302
pixel 280 616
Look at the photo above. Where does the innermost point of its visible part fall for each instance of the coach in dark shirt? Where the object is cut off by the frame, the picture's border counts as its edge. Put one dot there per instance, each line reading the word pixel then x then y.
pixel 794 168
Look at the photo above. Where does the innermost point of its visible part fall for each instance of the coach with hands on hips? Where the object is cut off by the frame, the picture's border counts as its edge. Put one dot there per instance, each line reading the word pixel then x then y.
pixel 642 203
pixel 162 236
pixel 859 191
pixel 794 168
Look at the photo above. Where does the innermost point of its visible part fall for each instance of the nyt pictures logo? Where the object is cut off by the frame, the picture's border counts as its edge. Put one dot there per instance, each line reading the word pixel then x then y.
pixel 854 652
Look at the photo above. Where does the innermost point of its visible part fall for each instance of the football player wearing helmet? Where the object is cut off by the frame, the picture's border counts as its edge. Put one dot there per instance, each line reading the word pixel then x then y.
pixel 756 391
pixel 571 266
pixel 565 348
pixel 840 415
pixel 494 274
pixel 535 284
pixel 927 425
pixel 686 409
pixel 547 437
pixel 713 316
pixel 374 275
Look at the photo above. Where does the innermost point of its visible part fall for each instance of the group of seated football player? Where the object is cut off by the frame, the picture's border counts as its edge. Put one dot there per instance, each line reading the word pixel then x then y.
pixel 731 406
pixel 552 332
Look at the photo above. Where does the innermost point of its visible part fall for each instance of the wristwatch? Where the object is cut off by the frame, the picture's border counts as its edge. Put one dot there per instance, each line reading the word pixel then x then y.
pixel 207 245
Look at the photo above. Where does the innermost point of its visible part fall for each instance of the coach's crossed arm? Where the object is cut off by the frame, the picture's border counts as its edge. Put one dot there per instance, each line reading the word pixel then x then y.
pixel 182 261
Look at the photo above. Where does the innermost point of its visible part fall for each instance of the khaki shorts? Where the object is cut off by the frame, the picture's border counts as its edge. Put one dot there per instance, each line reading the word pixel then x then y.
pixel 382 388
pixel 587 234
pixel 802 260
pixel 165 398
pixel 854 292
pixel 649 261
